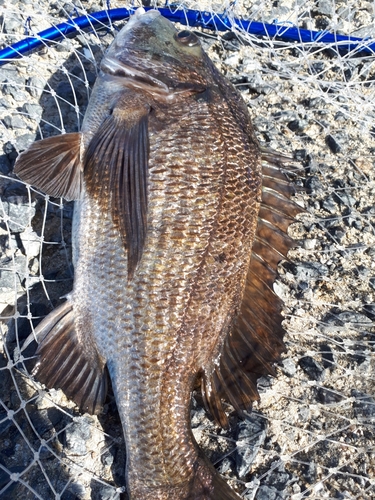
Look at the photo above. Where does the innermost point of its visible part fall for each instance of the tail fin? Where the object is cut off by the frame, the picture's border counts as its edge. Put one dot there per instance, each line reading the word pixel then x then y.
pixel 207 484
pixel 204 484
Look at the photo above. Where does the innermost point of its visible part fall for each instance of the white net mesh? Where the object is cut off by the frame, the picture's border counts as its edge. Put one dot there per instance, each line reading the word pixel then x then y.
pixel 312 434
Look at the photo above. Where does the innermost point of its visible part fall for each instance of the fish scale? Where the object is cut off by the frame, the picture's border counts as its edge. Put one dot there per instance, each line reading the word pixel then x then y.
pixel 167 176
pixel 162 240
pixel 161 252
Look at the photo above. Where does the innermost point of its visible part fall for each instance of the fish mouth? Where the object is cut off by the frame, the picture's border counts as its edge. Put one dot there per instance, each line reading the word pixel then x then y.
pixel 135 79
pixel 132 77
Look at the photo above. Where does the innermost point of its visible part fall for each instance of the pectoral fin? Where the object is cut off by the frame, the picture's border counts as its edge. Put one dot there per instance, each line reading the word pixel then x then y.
pixel 53 165
pixel 116 172
pixel 255 340
pixel 69 362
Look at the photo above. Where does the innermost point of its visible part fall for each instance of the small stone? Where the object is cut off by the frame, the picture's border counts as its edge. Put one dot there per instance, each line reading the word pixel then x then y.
pixel 12 24
pixel 35 86
pixel 340 117
pixel 315 102
pixel 317 68
pixel 267 493
pixel 250 436
pixel 333 145
pixel 31 243
pixel 288 367
pixel 314 185
pixel 309 244
pixel 4 105
pixel 225 465
pixel 45 453
pixel 369 310
pixel 5 165
pixel 328 360
pixel 34 111
pixel 10 151
pixel 64 46
pixel 357 224
pixel 77 489
pixel 14 121
pixel 345 12
pixel 304 413
pixel 364 405
pixel 310 472
pixel 65 91
pixel 15 90
pixel 104 492
pixel 19 212
pixel 40 421
pixel 352 317
pixel 345 199
pixel 358 357
pixel 22 142
pixel 312 368
pixel 297 125
pixel 337 233
pixel 308 271
pixel 327 396
pixel 285 116
pixel 9 73
pixel 107 459
pixel 264 383
pixel 279 477
pixel 12 273
pixel 329 204
pixel 197 417
pixel 326 7
pixel 77 435
pixel 301 155
pixel 232 60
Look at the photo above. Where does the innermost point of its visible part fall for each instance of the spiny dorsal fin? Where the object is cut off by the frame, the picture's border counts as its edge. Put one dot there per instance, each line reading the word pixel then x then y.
pixel 53 165
pixel 66 361
pixel 255 340
pixel 116 172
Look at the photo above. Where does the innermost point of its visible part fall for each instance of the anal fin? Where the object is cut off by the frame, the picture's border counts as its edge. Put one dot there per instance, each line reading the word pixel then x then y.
pixel 66 361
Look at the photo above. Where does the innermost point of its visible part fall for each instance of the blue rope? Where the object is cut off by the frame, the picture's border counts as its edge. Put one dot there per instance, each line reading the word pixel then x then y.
pixel 193 18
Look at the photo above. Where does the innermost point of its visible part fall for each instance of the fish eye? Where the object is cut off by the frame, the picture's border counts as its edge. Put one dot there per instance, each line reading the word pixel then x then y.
pixel 187 38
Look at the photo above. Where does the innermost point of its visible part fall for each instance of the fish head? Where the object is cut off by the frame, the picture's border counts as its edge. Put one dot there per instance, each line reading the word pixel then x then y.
pixel 149 53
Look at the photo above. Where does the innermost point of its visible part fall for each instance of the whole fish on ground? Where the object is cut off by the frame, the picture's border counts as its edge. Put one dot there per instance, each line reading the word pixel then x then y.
pixel 180 221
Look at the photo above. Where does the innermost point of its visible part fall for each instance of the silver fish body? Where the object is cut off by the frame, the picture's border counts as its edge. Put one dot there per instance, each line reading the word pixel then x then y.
pixel 167 177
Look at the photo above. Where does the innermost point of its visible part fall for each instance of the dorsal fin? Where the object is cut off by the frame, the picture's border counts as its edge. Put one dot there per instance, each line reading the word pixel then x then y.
pixel 255 340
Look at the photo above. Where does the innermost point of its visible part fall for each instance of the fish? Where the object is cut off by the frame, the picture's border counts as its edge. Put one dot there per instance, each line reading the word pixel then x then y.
pixel 180 221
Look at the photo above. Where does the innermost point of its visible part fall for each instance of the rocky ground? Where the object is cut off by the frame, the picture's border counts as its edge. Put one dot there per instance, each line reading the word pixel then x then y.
pixel 312 434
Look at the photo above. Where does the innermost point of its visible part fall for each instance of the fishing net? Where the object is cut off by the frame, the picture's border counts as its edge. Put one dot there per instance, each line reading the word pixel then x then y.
pixel 312 435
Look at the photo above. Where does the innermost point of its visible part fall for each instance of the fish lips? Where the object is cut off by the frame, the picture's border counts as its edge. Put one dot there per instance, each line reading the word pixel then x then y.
pixel 160 87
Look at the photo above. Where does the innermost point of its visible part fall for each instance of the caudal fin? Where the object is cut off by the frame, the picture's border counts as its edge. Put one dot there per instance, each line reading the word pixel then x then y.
pixel 204 484
pixel 209 485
